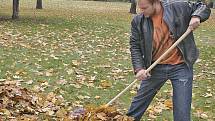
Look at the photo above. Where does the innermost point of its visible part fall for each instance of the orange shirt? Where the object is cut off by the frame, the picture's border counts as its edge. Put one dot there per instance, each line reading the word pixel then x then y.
pixel 162 41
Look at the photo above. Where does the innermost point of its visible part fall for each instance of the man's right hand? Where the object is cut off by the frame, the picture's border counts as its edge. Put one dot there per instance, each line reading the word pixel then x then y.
pixel 142 75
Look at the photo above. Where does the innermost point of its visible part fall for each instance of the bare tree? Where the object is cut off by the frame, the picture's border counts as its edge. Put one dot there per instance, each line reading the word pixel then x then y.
pixel 39 4
pixel 15 9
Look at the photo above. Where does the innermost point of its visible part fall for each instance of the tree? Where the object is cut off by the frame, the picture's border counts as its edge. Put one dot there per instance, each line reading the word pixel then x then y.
pixel 39 4
pixel 15 9
pixel 133 7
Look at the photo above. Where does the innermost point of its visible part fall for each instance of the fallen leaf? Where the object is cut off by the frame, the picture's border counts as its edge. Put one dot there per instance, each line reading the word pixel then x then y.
pixel 208 95
pixel 168 103
pixel 29 82
pixel 204 116
pixel 97 97
pixel 70 71
pixel 75 63
pixel 62 82
pixel 105 84
pixel 61 113
pixel 101 116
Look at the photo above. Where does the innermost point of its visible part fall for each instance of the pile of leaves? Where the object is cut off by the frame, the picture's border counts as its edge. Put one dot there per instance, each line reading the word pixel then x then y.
pixel 17 103
pixel 99 114
pixel 20 103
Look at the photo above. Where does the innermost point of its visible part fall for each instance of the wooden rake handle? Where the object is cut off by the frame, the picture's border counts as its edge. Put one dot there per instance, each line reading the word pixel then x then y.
pixel 152 66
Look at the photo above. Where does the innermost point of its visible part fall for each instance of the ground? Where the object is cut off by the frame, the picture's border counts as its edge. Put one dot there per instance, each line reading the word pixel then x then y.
pixel 80 50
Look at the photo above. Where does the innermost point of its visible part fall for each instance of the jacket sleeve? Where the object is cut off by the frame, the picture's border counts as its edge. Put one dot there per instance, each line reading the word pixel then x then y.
pixel 135 49
pixel 201 10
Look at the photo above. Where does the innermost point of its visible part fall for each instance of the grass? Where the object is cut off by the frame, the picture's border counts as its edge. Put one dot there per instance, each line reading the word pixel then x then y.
pixel 85 44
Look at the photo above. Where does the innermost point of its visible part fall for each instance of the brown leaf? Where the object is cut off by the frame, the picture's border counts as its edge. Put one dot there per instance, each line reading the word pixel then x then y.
pixel 101 116
pixel 61 113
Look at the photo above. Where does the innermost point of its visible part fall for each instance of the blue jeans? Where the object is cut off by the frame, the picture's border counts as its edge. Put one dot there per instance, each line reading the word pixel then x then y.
pixel 181 78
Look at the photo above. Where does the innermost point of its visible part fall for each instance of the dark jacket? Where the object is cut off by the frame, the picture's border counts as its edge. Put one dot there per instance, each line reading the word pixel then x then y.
pixel 177 15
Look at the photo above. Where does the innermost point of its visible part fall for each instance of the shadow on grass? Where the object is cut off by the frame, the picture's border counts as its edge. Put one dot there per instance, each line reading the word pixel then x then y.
pixel 32 20
pixel 5 18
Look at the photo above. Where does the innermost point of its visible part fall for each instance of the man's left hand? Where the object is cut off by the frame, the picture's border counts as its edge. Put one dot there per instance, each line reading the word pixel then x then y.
pixel 194 23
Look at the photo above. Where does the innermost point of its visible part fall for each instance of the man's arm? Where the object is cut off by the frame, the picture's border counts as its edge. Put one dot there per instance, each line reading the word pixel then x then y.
pixel 200 10
pixel 135 49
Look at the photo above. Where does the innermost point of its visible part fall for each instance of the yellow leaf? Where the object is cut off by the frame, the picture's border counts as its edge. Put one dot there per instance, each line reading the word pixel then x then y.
pixel 133 92
pixel 75 63
pixel 105 84
pixel 50 96
pixel 80 97
pixel 70 71
pixel 208 95
pixel 5 112
pixel 97 97
pixel 204 116
pixel 168 103
pixel 29 82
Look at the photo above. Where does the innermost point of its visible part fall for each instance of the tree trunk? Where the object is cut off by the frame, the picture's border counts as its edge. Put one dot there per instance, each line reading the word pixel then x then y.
pixel 39 4
pixel 133 7
pixel 210 4
pixel 15 9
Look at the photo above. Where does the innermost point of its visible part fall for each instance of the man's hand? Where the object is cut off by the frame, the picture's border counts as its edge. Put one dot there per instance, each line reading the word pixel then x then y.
pixel 142 75
pixel 194 23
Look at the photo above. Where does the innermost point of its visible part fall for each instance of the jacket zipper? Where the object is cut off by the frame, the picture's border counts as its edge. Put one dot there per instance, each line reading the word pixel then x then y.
pixel 152 39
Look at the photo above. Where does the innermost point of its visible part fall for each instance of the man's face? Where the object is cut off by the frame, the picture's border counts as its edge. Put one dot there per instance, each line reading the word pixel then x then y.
pixel 146 8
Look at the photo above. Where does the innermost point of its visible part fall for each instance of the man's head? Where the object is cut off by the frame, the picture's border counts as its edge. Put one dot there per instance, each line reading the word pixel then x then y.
pixel 148 7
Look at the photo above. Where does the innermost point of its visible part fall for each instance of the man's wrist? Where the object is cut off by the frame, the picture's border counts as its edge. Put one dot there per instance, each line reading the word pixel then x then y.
pixel 137 70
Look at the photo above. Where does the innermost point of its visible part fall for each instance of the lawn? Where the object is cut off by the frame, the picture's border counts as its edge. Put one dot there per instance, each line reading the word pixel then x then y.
pixel 80 50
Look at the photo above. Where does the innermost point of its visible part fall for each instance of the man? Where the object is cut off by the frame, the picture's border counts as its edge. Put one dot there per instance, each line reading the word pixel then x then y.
pixel 133 8
pixel 153 31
